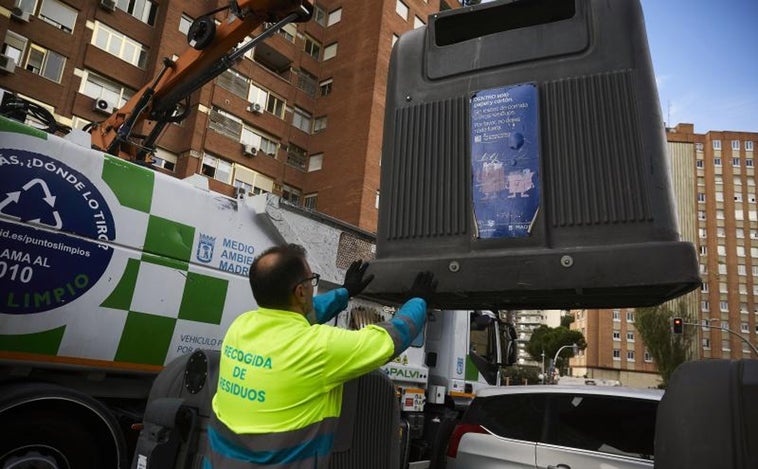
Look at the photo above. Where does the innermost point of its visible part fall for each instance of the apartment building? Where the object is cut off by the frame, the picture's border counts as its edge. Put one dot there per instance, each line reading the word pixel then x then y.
pixel 714 183
pixel 525 322
pixel 300 116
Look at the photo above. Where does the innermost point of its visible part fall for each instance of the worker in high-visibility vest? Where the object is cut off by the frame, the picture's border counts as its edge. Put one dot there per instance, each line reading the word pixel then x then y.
pixel 281 372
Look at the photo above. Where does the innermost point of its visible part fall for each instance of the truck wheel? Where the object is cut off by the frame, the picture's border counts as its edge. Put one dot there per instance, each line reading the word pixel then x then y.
pixel 48 442
pixel 47 427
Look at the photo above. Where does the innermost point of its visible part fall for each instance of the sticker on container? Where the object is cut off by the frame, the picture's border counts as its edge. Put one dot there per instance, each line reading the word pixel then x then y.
pixel 505 160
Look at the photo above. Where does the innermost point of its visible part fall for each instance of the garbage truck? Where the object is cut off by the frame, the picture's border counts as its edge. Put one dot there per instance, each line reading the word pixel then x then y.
pixel 110 270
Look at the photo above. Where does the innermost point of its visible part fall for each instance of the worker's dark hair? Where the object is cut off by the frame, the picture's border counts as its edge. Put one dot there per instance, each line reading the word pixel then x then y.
pixel 272 282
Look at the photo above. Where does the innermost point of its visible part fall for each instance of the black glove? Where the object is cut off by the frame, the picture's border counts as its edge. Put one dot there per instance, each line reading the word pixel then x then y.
pixel 354 281
pixel 423 287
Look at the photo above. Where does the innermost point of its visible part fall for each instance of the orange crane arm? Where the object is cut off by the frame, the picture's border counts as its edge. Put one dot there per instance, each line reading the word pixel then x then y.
pixel 213 50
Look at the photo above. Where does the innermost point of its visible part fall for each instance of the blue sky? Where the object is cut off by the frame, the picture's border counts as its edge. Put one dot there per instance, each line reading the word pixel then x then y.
pixel 705 57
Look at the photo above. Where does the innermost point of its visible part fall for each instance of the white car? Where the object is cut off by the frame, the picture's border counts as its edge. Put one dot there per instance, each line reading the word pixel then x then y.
pixel 556 427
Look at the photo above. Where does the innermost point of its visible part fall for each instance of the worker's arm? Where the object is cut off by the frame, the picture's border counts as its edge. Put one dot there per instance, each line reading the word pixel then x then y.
pixel 327 305
pixel 349 354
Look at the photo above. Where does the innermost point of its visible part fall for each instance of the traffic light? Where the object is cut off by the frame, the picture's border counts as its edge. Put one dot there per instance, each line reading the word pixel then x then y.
pixel 677 325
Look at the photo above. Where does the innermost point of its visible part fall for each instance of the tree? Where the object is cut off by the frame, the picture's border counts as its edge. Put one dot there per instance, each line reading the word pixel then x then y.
pixel 667 349
pixel 550 339
pixel 566 320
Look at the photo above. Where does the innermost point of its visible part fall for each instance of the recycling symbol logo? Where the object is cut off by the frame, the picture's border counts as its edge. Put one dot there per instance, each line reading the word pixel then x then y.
pixel 44 209
pixel 54 231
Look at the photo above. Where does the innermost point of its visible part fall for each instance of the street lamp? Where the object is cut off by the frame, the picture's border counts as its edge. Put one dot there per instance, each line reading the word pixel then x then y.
pixel 575 350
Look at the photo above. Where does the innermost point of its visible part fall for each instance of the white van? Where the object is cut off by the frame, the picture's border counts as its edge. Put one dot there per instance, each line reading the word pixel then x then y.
pixel 587 427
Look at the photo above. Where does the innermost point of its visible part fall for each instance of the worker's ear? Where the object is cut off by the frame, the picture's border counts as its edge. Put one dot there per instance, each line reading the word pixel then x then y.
pixel 299 293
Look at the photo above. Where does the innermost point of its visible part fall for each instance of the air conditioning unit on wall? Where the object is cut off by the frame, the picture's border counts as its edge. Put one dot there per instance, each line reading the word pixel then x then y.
pixel 20 15
pixel 7 64
pixel 249 150
pixel 255 108
pixel 108 4
pixel 102 106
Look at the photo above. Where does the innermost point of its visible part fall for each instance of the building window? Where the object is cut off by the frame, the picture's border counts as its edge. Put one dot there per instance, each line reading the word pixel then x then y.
pixel 217 168
pixel 45 63
pixel 184 24
pixel 395 38
pixel 297 157
pixel 330 51
pixel 707 344
pixel 701 232
pixel 705 305
pixel 302 120
pixel 736 162
pixel 744 327
pixel 26 5
pixel 14 46
pixel 701 197
pixel 257 139
pixel 275 105
pixel 319 124
pixel 315 162
pixel 630 316
pixel 749 164
pixel 401 9
pixel 224 123
pixel 703 250
pixel 717 144
pixel 417 22
pixel 617 335
pixel 312 47
pixel 319 15
pixel 119 45
pixel 164 159
pixel 726 346
pixel 291 194
pixel 310 201
pixel 749 145
pixel 741 269
pixel 704 287
pixel 648 358
pixel 724 305
pixel 616 315
pixel 97 87
pixel 722 269
pixel 246 188
pixel 717 162
pixel 234 82
pixel 630 336
pixel 288 32
pixel 307 82
pixel 630 355
pixel 741 251
pixel 616 354
pixel 334 17
pixel 737 197
pixel 59 15
pixel 699 163
pixel 143 10
pixel 699 147
pixel 325 87
pixel 735 145
pixel 376 200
